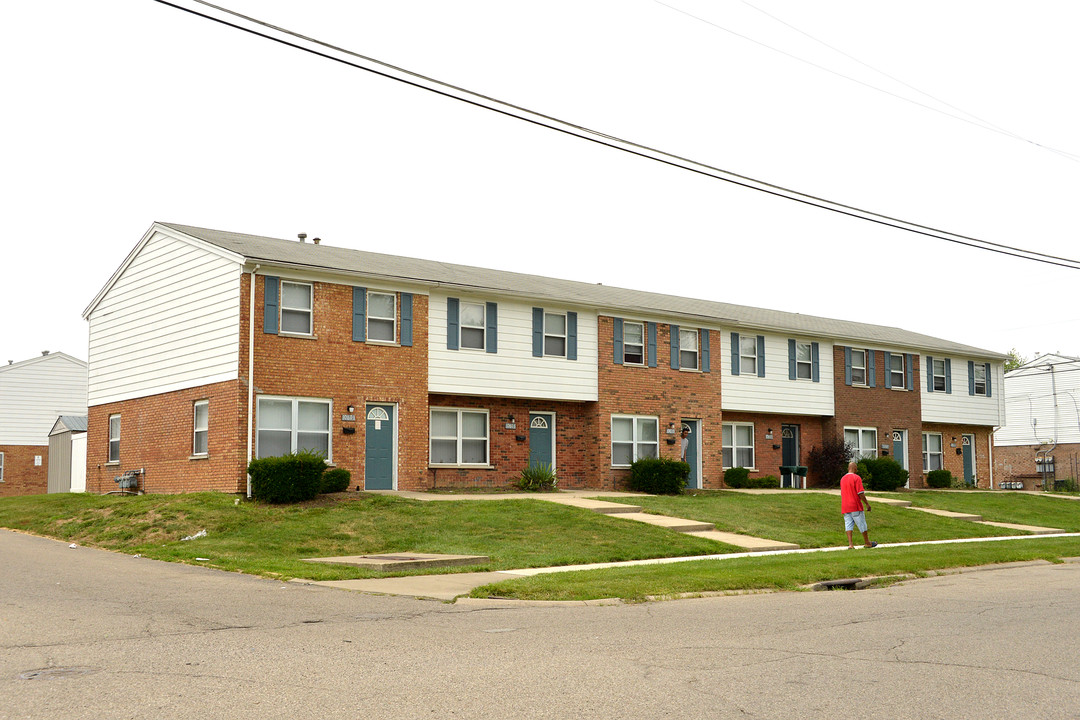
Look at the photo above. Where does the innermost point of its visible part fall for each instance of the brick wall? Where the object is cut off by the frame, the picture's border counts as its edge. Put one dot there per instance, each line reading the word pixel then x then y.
pixel 575 446
pixel 1017 462
pixel 21 475
pixel 886 409
pixel 953 461
pixel 768 458
pixel 668 394
pixel 157 436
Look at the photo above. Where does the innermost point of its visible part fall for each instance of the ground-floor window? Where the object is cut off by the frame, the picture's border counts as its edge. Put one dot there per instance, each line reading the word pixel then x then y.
pixel 114 438
pixel 201 424
pixel 933 455
pixel 458 437
pixel 1 467
pixel 863 440
pixel 633 437
pixel 738 445
pixel 287 425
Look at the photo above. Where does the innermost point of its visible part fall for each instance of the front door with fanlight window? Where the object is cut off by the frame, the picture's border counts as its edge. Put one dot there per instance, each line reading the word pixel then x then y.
pixel 968 444
pixel 542 439
pixel 380 448
pixel 789 456
pixel 693 452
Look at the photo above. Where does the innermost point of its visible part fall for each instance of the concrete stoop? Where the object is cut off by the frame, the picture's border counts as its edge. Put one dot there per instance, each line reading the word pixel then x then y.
pixel 753 544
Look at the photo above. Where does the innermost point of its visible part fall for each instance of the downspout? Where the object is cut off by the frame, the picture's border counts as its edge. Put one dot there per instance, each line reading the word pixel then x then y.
pixel 251 373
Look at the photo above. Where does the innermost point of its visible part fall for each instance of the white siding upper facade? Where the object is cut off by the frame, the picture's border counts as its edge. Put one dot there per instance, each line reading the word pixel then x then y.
pixel 746 390
pixel 168 320
pixel 1042 406
pixel 513 370
pixel 33 393
pixel 957 404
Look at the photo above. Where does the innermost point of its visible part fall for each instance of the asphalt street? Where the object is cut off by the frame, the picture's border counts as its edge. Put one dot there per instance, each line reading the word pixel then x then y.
pixel 91 634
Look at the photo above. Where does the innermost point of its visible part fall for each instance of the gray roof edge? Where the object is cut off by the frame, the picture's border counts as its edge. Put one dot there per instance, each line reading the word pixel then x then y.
pixel 434 273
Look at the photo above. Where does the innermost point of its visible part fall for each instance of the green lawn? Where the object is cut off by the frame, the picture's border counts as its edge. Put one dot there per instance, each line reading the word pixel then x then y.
pixel 271 540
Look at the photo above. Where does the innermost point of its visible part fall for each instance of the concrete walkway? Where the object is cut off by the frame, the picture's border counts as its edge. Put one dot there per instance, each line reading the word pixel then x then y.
pixel 451 586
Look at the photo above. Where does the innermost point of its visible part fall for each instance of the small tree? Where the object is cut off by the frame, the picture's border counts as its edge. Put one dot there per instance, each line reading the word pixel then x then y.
pixel 828 462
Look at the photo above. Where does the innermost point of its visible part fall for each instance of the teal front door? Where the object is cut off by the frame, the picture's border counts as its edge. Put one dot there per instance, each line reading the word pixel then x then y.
pixel 542 439
pixel 693 447
pixel 379 448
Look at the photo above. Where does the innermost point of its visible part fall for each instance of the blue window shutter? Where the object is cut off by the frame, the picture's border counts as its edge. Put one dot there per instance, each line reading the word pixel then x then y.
pixel 929 370
pixel 271 286
pixel 617 341
pixel 453 333
pixel 948 376
pixel 571 336
pixel 971 377
pixel 652 343
pixel 988 393
pixel 492 327
pixel 871 371
pixel 705 350
pixel 761 356
pixel 909 361
pixel 815 362
pixel 538 331
pixel 734 353
pixel 674 347
pixel 359 314
pixel 791 373
pixel 847 365
pixel 888 369
pixel 406 319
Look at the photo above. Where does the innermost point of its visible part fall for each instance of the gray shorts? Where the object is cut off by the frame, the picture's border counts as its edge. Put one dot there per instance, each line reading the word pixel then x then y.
pixel 853 519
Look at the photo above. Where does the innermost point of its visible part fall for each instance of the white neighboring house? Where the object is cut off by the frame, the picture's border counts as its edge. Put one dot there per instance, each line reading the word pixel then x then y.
pixel 1041 434
pixel 33 394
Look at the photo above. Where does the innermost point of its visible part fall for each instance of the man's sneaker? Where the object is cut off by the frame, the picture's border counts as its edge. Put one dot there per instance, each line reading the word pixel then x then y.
pixel 873 544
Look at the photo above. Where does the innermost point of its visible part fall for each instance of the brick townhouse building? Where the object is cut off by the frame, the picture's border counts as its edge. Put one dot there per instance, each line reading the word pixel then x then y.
pixel 208 348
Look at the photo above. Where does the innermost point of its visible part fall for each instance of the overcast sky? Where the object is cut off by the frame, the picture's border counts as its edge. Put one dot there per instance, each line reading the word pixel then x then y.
pixel 960 115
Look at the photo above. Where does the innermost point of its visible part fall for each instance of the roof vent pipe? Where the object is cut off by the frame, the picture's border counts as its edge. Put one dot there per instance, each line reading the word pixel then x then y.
pixel 302 236
pixel 44 353
pixel 315 240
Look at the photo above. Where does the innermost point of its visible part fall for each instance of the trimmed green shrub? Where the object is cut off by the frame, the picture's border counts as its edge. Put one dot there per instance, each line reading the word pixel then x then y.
pixel 287 479
pixel 335 480
pixel 737 477
pixel 886 474
pixel 538 478
pixel 765 481
pixel 828 462
pixel 659 476
pixel 939 479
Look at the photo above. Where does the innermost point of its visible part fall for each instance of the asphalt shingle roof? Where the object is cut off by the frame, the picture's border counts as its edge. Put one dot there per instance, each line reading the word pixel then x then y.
pixel 600 297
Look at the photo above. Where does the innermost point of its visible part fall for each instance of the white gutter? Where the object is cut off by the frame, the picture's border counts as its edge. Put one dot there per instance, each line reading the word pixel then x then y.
pixel 251 371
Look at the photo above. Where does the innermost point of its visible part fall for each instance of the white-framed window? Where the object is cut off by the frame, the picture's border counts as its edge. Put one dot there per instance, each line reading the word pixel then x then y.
pixel 804 361
pixel 863 440
pixel 933 452
pixel 858 367
pixel 473 325
pixel 633 437
pixel 291 424
pixel 381 317
pixel 688 349
pixel 938 370
pixel 633 343
pixel 738 445
pixel 296 307
pixel 896 371
pixel 458 437
pixel 748 358
pixel 200 444
pixel 555 334
pixel 114 438
pixel 979 372
pixel 1 467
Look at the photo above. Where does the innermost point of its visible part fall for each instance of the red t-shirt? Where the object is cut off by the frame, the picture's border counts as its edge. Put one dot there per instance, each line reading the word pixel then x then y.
pixel 850 487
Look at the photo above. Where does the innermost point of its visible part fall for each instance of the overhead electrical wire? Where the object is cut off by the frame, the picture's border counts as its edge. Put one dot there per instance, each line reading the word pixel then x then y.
pixel 325 50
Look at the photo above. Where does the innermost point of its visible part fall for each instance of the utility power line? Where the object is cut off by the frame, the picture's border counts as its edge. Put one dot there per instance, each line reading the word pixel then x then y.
pixel 238 21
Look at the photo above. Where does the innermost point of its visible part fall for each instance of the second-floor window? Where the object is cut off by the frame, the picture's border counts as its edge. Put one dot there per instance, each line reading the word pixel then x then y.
pixel 381 317
pixel 939 376
pixel 858 367
pixel 804 361
pixel 296 308
pixel 634 343
pixel 688 349
pixel 748 355
pixel 979 379
pixel 473 325
pixel 896 371
pixel 555 334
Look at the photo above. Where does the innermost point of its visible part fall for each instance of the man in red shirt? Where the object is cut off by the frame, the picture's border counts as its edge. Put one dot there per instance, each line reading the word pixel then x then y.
pixel 852 500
